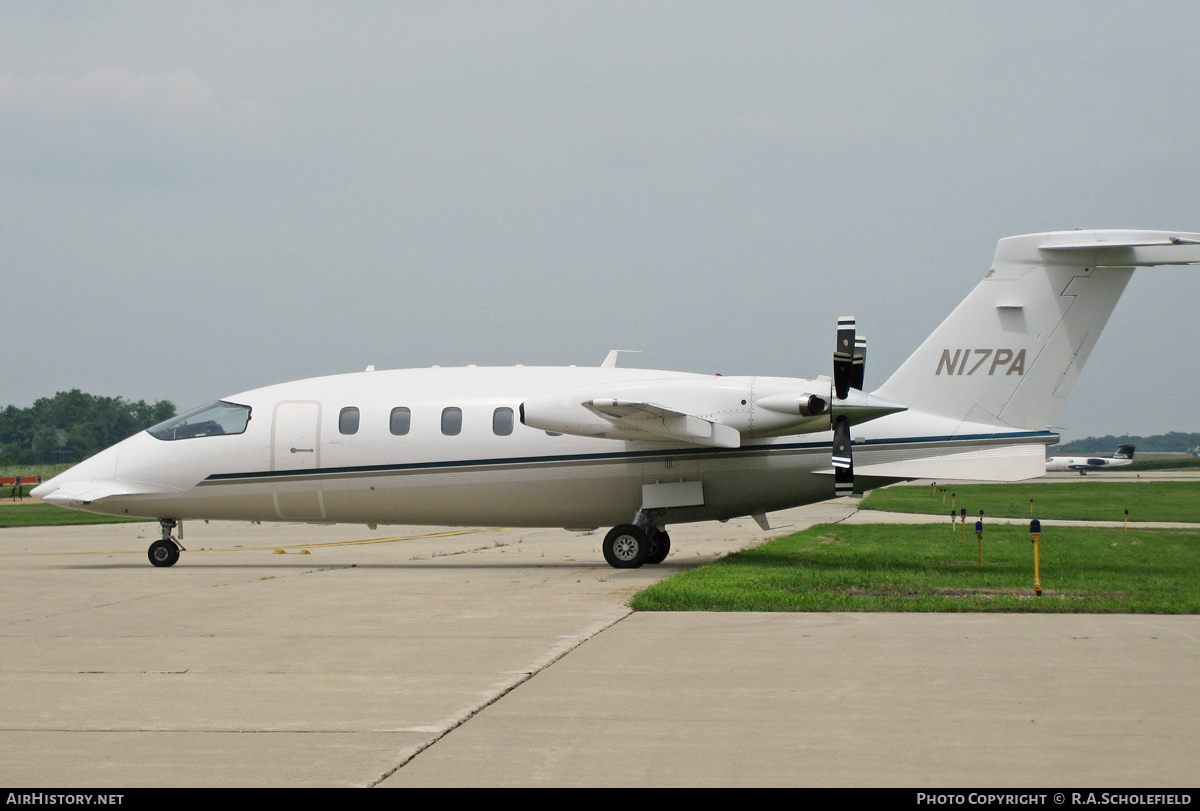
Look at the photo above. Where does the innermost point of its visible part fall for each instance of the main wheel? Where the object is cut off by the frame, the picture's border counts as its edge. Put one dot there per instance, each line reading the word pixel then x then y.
pixel 660 545
pixel 163 553
pixel 626 546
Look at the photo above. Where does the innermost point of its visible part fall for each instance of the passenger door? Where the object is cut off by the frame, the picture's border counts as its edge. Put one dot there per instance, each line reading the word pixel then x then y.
pixel 296 446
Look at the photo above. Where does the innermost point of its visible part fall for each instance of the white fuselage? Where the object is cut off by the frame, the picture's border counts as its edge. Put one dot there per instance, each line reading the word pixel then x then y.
pixel 293 463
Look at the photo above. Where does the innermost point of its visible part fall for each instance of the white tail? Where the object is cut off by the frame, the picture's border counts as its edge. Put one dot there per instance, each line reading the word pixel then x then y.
pixel 1010 352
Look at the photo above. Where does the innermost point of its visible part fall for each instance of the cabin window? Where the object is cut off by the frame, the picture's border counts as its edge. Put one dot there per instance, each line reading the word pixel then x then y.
pixel 451 421
pixel 348 420
pixel 215 419
pixel 401 420
pixel 502 421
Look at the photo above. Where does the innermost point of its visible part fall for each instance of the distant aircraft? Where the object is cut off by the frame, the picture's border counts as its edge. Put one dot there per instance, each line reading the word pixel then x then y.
pixel 638 449
pixel 1083 464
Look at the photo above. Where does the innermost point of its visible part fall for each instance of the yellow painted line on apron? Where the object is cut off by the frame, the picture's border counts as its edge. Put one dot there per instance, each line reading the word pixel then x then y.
pixel 374 540
pixel 452 533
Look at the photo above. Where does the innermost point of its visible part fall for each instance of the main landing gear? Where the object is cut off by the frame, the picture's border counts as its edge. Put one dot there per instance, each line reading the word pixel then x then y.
pixel 165 552
pixel 628 546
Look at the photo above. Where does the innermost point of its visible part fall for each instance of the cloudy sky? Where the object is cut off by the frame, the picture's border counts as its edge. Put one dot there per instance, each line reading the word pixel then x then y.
pixel 197 198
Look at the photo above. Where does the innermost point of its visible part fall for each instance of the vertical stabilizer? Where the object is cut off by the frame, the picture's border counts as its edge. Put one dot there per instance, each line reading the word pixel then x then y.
pixel 1010 352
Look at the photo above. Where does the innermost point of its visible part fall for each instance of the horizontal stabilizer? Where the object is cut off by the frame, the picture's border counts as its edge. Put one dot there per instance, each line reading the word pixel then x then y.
pixel 665 423
pixel 1129 248
pixel 1090 245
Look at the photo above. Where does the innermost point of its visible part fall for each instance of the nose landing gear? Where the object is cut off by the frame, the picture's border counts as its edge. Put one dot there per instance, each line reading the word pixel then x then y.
pixel 165 552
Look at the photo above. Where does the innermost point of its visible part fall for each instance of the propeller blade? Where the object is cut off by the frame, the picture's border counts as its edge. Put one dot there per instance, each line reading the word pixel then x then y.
pixel 843 460
pixel 859 367
pixel 843 357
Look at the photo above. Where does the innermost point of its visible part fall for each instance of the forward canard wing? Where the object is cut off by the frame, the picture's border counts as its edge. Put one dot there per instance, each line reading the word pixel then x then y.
pixel 79 494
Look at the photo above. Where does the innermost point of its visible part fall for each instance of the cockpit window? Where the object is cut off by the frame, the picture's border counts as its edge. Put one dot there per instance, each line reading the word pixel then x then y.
pixel 213 419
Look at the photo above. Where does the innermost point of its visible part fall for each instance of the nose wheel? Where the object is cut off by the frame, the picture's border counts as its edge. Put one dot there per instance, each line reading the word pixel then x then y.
pixel 165 552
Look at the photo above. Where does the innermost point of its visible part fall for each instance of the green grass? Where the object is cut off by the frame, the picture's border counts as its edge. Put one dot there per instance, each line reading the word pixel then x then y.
pixel 1161 464
pixel 48 515
pixel 45 471
pixel 889 567
pixel 1082 501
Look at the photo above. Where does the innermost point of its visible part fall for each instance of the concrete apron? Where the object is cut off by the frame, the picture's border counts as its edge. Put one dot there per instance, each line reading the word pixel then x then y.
pixel 243 667
pixel 460 659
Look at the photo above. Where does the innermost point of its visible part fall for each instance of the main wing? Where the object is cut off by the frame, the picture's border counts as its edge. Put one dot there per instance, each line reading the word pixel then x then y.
pixel 665 423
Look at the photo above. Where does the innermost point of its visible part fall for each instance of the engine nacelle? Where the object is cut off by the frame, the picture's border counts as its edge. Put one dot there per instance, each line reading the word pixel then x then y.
pixel 717 411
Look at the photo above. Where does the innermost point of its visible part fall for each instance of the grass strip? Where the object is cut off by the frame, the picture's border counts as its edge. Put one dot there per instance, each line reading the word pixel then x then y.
pixel 50 515
pixel 1160 464
pixel 890 567
pixel 1076 501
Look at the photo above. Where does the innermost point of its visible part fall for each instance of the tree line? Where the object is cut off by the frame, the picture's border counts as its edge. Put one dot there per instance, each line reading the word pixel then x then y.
pixel 72 425
pixel 1172 442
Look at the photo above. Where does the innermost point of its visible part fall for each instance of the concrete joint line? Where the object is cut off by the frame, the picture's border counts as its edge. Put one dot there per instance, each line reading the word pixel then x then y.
pixel 852 513
pixel 556 653
pixel 1169 630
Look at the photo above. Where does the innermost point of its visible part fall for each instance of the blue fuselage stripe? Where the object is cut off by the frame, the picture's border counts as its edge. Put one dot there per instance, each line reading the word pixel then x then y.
pixel 632 455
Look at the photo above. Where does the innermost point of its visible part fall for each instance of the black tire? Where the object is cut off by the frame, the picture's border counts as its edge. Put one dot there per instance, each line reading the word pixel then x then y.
pixel 626 546
pixel 163 553
pixel 660 545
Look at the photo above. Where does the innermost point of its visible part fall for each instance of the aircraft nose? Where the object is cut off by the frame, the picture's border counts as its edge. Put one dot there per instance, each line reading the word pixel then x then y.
pixel 102 466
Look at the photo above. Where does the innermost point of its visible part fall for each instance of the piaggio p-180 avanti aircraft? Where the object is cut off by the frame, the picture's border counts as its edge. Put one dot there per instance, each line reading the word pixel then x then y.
pixel 1082 464
pixel 638 449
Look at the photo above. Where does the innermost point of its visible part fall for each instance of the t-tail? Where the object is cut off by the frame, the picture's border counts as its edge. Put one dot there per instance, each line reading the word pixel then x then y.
pixel 1004 361
pixel 1124 452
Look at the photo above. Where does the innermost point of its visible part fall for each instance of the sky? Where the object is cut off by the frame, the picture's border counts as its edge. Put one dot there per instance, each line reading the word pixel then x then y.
pixel 199 198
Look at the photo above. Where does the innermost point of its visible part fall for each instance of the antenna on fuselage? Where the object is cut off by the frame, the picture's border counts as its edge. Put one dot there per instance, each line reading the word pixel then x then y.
pixel 610 362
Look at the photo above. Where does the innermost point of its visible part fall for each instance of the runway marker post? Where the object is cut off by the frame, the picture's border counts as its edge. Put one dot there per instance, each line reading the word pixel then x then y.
pixel 1035 535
